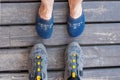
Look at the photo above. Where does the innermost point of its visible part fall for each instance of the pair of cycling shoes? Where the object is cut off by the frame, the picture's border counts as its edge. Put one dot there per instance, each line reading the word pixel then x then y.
pixel 73 62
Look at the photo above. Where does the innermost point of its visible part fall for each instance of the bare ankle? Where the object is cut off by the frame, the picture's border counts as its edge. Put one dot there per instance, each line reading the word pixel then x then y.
pixel 46 8
pixel 75 8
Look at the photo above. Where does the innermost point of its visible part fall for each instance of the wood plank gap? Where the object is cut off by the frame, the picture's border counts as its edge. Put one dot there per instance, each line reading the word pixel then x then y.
pixel 104 67
pixel 58 46
pixel 14 71
pixel 107 22
pixel 57 70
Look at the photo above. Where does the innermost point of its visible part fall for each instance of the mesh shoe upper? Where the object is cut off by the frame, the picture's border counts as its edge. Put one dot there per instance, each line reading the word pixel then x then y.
pixel 74 61
pixel 38 63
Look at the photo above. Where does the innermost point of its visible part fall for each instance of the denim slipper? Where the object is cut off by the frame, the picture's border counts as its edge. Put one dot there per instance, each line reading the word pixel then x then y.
pixel 76 26
pixel 44 27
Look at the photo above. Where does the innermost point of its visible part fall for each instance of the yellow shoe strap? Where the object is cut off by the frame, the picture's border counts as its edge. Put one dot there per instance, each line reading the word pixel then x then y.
pixel 74 66
pixel 38 77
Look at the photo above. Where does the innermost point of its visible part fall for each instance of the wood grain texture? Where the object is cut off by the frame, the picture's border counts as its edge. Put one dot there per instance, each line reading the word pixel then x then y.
pixel 30 0
pixel 25 13
pixel 4 36
pixel 25 76
pixel 94 56
pixel 93 74
pixel 39 0
pixel 19 36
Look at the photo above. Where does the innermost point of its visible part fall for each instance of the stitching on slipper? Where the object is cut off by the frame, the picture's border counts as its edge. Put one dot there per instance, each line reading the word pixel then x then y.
pixel 45 26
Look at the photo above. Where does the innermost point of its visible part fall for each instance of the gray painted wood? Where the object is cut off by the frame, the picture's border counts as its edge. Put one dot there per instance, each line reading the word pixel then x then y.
pixel 28 0
pixel 94 56
pixel 4 36
pixel 38 0
pixel 19 36
pixel 95 74
pixel 25 13
pixel 24 76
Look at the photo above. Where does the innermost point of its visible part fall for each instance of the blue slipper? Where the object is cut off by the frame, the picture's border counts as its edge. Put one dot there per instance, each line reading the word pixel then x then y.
pixel 44 27
pixel 76 26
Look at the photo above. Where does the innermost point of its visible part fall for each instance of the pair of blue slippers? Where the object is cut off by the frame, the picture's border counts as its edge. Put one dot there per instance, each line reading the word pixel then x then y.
pixel 45 27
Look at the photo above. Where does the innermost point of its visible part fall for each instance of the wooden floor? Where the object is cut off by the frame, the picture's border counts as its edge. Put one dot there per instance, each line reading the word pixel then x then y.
pixel 100 41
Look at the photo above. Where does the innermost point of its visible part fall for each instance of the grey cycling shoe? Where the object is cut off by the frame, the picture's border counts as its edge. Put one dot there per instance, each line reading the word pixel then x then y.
pixel 74 62
pixel 38 63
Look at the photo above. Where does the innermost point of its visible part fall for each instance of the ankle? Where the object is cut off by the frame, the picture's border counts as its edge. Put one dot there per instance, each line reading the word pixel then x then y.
pixel 45 13
pixel 45 10
pixel 75 8
pixel 76 12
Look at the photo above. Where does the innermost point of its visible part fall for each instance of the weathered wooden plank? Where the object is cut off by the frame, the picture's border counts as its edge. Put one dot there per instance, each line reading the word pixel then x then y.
pixel 19 36
pixel 102 74
pixel 14 76
pixel 95 74
pixel 39 0
pixel 28 0
pixel 94 56
pixel 25 13
pixel 25 76
pixel 4 36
